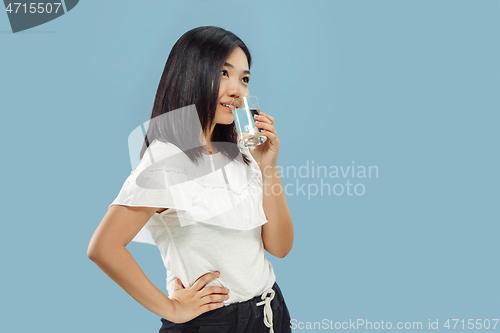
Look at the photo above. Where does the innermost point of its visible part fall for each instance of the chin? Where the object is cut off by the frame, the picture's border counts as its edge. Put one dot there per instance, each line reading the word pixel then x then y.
pixel 225 119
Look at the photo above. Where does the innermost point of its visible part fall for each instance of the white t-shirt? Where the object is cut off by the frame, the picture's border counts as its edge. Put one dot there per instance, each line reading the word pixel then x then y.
pixel 213 221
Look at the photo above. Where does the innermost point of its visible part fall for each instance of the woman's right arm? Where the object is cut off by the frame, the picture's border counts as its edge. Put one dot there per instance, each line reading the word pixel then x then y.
pixel 107 248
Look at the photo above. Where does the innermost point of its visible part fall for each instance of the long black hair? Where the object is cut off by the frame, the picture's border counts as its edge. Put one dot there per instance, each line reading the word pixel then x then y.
pixel 191 77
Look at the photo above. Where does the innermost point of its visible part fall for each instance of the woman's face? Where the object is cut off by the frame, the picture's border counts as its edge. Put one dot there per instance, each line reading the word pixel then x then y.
pixel 235 76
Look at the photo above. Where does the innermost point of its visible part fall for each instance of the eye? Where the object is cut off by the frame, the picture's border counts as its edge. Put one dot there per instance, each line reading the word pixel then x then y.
pixel 246 79
pixel 223 72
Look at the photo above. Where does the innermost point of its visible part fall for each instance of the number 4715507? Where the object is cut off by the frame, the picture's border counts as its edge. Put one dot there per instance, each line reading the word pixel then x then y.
pixel 42 7
pixel 471 324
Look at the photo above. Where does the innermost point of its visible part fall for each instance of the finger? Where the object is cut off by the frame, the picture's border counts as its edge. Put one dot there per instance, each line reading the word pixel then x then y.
pixel 213 290
pixel 273 137
pixel 271 119
pixel 211 306
pixel 203 280
pixel 262 119
pixel 213 298
pixel 267 126
pixel 178 284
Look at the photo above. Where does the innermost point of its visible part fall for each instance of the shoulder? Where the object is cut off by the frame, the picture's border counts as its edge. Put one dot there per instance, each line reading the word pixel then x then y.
pixel 161 148
pixel 164 155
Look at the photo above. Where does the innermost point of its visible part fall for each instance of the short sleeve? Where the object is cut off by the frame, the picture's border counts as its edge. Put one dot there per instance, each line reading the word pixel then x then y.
pixel 156 185
pixel 160 180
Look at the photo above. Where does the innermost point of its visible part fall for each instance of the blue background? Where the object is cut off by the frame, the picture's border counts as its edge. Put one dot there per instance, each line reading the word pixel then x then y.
pixel 411 87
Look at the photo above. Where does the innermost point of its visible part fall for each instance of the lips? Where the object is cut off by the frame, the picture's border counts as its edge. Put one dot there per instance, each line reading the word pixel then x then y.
pixel 225 105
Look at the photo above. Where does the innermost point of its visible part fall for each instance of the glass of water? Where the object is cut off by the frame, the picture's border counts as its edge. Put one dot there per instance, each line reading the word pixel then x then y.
pixel 244 108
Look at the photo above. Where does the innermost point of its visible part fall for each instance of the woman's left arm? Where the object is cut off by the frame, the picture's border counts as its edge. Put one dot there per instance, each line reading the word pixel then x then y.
pixel 277 233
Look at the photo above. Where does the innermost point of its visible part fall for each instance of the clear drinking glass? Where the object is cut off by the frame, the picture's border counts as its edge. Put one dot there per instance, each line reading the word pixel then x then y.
pixel 244 108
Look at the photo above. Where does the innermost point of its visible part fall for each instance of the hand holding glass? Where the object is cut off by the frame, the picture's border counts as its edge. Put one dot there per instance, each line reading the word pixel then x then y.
pixel 244 108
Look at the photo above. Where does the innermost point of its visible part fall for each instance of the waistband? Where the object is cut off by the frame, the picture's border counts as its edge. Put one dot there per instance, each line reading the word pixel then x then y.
pixel 261 306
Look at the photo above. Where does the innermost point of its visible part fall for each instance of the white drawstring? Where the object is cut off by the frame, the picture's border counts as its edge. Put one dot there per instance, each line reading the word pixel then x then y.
pixel 268 311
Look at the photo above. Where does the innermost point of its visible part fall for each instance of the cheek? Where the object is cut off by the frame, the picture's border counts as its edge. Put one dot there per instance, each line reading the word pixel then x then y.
pixel 222 88
pixel 246 91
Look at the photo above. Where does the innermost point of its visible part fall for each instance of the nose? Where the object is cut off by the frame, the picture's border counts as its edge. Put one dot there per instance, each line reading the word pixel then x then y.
pixel 235 89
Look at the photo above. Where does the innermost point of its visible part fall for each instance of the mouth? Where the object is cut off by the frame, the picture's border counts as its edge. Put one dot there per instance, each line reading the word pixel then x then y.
pixel 226 106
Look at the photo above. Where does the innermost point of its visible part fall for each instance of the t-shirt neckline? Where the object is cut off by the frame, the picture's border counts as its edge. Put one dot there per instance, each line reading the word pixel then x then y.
pixel 216 154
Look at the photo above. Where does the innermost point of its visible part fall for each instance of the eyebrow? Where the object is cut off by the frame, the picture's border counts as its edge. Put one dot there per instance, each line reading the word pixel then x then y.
pixel 229 65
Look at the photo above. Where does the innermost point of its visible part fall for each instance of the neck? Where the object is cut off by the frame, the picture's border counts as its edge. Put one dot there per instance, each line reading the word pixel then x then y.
pixel 208 140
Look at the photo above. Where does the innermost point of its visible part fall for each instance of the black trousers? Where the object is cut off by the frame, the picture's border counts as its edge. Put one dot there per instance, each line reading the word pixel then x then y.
pixel 243 317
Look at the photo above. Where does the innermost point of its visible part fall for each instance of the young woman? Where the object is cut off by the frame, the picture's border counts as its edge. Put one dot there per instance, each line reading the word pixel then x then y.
pixel 210 206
